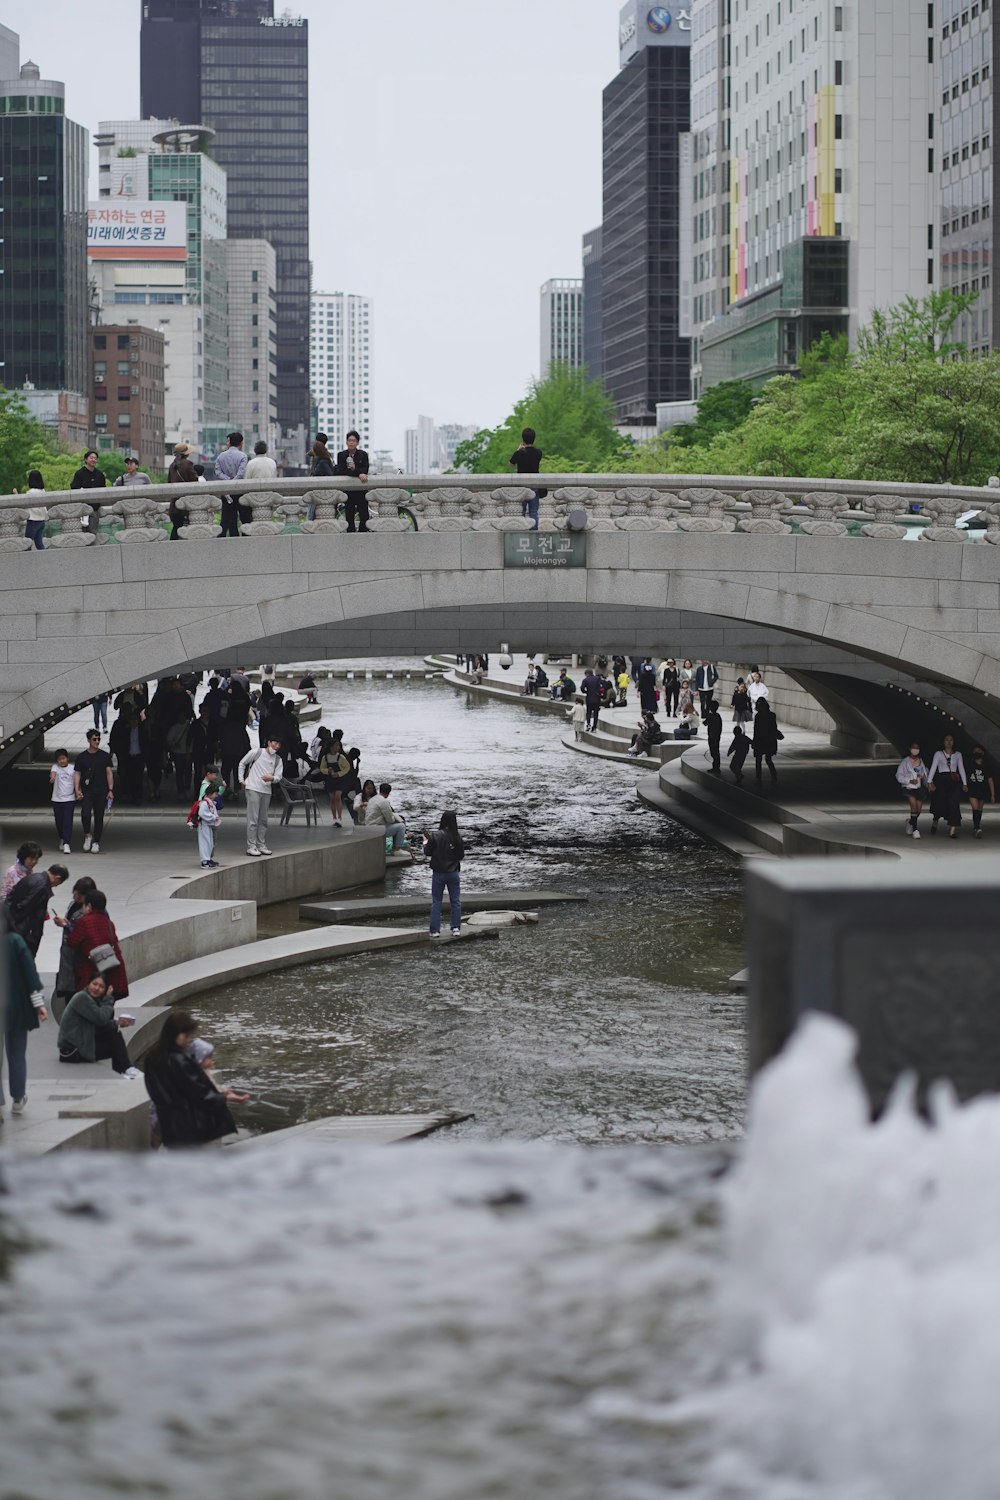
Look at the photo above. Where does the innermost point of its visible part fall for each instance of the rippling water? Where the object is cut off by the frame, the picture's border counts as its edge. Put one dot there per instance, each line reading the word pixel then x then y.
pixel 609 1022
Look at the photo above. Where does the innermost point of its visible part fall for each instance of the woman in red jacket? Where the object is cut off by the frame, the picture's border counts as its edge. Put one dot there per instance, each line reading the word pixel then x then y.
pixel 93 929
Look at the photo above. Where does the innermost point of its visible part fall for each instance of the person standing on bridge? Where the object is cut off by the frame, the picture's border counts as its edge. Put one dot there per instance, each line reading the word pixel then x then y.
pixel 352 463
pixel 89 477
pixel 261 466
pixel 232 464
pixel 181 471
pixel 527 459
pixel 946 781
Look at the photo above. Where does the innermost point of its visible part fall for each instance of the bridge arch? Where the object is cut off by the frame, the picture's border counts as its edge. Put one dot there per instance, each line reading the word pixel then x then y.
pixel 73 624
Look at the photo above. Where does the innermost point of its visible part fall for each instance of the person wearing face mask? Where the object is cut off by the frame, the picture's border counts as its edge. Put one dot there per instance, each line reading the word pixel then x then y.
pixel 982 788
pixel 911 775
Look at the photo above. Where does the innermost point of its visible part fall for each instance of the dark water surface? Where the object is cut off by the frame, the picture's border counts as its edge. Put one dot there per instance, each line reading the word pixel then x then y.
pixel 606 1023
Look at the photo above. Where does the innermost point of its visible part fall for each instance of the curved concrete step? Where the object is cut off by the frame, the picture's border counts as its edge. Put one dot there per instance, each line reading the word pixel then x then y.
pixel 690 816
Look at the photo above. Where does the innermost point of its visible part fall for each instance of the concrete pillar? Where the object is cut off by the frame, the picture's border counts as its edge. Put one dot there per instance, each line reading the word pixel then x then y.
pixel 905 953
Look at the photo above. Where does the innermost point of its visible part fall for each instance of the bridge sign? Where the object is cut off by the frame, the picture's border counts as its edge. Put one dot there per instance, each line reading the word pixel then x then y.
pixel 545 549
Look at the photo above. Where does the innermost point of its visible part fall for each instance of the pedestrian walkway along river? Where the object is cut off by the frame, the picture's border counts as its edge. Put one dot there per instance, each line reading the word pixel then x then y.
pixel 607 1022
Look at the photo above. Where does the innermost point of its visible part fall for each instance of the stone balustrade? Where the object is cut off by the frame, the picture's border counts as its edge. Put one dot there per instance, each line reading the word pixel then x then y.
pixel 465 502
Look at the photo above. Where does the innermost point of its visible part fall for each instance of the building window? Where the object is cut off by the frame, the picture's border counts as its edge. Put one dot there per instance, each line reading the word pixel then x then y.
pixel 124 419
pixel 101 420
pixel 123 341
pixel 123 367
pixel 100 393
pixel 838 127
pixel 838 18
pixel 124 392
pixel 100 341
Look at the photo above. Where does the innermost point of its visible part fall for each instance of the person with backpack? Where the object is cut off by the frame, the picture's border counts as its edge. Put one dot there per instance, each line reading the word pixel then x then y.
pixel 205 817
pixel 259 772
pixel 445 850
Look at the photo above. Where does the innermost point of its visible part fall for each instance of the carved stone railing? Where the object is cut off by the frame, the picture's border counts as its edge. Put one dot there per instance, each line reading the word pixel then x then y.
pixel 696 504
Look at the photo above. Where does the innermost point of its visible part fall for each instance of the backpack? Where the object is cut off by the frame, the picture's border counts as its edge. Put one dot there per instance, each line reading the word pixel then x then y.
pixel 192 818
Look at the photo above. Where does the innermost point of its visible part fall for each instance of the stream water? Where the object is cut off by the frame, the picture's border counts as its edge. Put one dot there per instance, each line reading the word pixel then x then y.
pixel 608 1022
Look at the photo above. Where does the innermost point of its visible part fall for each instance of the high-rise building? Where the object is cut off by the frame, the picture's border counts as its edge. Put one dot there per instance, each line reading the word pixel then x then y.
pixel 815 127
pixel 592 268
pixel 423 454
pixel 158 258
pixel 449 435
pixel 340 348
pixel 253 341
pixel 561 323
pixel 43 242
pixel 126 391
pixel 10 53
pixel 240 69
pixel 967 107
pixel 646 108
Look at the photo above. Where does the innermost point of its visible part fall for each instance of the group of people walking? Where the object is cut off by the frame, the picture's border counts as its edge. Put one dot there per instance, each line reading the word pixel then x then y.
pixel 944 783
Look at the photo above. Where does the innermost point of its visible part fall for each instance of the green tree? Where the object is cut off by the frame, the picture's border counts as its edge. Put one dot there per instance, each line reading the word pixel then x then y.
pixel 20 435
pixel 720 409
pixel 574 421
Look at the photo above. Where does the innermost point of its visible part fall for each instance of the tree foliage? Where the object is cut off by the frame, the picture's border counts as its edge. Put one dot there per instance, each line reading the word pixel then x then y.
pixel 574 421
pixel 26 444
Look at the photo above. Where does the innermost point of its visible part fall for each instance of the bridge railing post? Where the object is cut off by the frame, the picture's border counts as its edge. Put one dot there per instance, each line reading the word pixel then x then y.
pixel 262 505
pixel 77 525
pixel 12 537
pixel 881 516
pixel 200 511
pixel 325 518
pixel 141 517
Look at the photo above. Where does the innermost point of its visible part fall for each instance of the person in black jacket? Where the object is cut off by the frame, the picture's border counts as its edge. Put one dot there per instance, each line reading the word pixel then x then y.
pixel 190 1110
pixel 89 477
pixel 738 752
pixel 766 735
pixel 352 463
pixel 28 903
pixel 444 849
pixel 712 720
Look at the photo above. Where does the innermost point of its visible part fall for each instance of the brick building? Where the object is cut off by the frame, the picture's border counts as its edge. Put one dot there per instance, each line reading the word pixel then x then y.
pixel 126 392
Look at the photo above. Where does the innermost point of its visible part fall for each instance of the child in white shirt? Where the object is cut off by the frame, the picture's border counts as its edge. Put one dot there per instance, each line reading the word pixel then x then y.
pixel 63 799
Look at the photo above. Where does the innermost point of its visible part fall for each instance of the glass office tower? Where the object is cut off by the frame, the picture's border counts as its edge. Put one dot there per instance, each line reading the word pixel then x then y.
pixel 235 66
pixel 646 108
pixel 43 246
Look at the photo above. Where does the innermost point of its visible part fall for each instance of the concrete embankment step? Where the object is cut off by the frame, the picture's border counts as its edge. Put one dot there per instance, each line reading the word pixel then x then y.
pixel 351 1130
pixel 391 908
pixel 691 814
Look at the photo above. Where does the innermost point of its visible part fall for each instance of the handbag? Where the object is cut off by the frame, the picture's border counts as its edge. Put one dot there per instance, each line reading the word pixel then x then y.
pixel 104 958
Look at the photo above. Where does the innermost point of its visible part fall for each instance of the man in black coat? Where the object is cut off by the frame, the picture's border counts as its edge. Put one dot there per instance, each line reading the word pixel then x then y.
pixel 712 720
pixel 352 463
pixel 28 903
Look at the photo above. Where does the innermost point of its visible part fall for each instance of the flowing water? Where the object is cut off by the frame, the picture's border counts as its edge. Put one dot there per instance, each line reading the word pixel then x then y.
pixel 608 1022
pixel 810 1315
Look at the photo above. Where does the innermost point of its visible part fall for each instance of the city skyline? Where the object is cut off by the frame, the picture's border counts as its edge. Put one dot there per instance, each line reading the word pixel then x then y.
pixel 457 332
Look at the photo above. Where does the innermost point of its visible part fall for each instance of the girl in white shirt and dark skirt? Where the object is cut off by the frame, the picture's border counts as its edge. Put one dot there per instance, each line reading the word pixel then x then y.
pixel 946 781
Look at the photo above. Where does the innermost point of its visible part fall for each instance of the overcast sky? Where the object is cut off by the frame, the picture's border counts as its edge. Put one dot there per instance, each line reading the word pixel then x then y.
pixel 455 161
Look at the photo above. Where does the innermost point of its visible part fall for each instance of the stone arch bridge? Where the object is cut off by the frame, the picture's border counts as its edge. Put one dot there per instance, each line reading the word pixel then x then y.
pixel 875 610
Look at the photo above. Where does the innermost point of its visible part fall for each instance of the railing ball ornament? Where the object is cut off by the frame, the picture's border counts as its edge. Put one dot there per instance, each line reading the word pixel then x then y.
pixel 576 518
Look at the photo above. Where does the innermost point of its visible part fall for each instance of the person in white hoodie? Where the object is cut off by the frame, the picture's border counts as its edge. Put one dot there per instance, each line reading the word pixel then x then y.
pixel 911 774
pixel 259 771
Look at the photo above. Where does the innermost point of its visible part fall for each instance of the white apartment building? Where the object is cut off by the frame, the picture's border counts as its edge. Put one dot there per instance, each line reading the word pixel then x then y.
pixel 340 347
pixel 423 451
pixel 561 309
pixel 813 187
